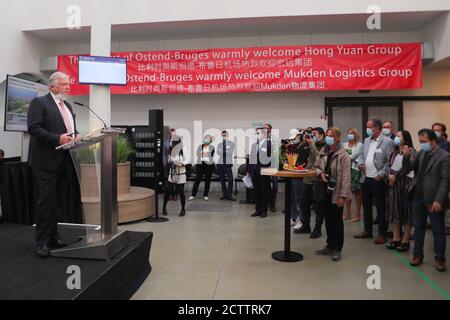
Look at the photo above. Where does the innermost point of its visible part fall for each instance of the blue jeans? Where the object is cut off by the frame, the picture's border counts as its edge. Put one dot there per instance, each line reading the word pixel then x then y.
pixel 420 215
pixel 296 196
pixel 226 171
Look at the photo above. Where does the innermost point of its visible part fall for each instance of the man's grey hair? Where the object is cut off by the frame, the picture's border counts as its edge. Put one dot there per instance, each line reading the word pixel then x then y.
pixel 55 77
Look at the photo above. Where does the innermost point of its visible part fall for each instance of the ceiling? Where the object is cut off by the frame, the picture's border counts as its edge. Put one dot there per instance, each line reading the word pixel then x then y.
pixel 329 24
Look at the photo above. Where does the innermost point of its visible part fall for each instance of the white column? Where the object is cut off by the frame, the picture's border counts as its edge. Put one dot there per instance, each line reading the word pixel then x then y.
pixel 100 96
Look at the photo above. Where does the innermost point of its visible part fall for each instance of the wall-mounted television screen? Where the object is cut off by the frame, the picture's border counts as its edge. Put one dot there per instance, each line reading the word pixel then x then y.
pixel 19 94
pixel 102 70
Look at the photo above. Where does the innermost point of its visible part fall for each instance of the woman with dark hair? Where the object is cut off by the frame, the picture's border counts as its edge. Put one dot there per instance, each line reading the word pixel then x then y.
pixel 177 174
pixel 398 204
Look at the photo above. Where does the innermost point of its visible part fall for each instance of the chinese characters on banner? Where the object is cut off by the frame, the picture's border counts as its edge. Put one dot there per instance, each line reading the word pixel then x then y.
pixel 265 69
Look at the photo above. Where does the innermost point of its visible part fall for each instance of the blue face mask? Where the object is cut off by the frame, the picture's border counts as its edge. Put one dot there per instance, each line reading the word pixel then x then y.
pixel 369 132
pixel 329 141
pixel 295 141
pixel 315 139
pixel 397 141
pixel 351 137
pixel 438 134
pixel 426 147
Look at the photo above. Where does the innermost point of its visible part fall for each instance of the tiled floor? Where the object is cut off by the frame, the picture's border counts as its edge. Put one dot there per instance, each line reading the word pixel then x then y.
pixel 227 255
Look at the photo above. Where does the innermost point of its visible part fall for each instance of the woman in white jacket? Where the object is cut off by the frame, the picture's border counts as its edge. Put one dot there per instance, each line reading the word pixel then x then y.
pixel 177 174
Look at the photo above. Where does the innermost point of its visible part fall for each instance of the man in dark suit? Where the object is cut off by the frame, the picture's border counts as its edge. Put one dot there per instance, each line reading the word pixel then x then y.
pixel 260 157
pixel 51 123
pixel 225 151
pixel 429 190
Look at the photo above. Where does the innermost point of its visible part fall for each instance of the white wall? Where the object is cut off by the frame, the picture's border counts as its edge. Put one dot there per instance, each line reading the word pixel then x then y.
pixel 144 11
pixel 20 53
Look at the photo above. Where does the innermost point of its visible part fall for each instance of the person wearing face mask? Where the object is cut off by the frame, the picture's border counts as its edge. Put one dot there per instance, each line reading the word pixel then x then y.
pixel 225 151
pixel 374 165
pixel 429 191
pixel 296 146
pixel 205 167
pixel 51 123
pixel 399 204
pixel 354 148
pixel 440 129
pixel 333 166
pixel 273 180
pixel 177 174
pixel 260 157
pixel 166 148
pixel 319 138
pixel 389 130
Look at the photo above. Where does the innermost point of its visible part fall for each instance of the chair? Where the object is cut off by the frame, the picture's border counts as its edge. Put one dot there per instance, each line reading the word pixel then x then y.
pixel 242 171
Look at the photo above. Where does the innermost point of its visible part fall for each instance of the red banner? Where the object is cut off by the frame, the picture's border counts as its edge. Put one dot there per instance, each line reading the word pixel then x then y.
pixel 265 69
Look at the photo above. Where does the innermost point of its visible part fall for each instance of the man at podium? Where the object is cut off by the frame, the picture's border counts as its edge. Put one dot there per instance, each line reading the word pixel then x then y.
pixel 51 123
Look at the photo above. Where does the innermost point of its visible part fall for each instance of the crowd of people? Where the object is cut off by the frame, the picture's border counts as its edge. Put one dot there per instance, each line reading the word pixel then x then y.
pixel 408 187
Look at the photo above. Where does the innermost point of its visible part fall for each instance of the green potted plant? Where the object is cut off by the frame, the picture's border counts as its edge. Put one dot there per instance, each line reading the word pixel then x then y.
pixel 90 176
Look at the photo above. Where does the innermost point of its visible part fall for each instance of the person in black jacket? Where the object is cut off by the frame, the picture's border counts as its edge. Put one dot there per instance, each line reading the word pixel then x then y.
pixel 51 123
pixel 205 167
pixel 260 157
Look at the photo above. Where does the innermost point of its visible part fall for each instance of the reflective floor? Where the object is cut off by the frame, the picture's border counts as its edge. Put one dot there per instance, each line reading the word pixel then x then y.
pixel 220 252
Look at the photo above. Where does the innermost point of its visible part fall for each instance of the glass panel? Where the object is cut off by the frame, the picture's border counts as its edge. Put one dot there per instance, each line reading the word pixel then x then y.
pixel 87 162
pixel 346 118
pixel 385 114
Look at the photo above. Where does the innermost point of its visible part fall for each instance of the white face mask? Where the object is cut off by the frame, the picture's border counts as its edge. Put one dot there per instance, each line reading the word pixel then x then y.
pixel 62 97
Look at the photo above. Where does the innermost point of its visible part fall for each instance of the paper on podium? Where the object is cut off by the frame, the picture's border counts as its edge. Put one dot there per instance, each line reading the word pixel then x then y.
pixel 248 182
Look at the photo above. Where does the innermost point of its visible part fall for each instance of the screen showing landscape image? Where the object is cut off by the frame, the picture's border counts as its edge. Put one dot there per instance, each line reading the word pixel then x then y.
pixel 19 94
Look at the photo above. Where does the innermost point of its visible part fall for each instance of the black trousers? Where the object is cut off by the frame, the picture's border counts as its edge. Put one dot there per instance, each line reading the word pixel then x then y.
pixel 334 223
pixel 305 206
pixel 206 170
pixel 173 189
pixel 53 200
pixel 374 189
pixel 262 192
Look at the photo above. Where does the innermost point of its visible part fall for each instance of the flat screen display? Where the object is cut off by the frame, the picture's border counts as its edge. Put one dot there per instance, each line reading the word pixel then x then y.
pixel 102 70
pixel 19 94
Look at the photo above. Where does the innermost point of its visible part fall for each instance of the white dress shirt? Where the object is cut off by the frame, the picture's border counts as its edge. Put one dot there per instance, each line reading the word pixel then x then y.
pixel 205 153
pixel 371 170
pixel 66 110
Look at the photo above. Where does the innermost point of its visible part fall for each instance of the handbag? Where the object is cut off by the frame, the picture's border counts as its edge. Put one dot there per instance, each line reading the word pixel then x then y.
pixel 320 190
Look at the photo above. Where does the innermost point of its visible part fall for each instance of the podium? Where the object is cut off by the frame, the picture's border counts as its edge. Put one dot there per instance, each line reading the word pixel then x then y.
pixel 98 150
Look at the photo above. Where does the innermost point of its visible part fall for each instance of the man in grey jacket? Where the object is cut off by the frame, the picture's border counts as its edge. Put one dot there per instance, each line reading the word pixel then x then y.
pixel 429 190
pixel 374 164
pixel 225 151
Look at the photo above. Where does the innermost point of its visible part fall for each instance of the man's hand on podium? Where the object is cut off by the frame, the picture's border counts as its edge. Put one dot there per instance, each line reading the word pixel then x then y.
pixel 78 137
pixel 64 138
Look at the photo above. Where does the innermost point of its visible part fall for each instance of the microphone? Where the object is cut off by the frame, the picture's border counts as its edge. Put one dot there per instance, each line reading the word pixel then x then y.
pixel 83 105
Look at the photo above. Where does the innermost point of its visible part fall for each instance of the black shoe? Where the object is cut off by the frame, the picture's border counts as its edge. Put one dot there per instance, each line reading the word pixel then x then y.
pixel 58 243
pixel 336 255
pixel 164 212
pixel 303 230
pixel 273 209
pixel 392 245
pixel 255 214
pixel 182 213
pixel 324 252
pixel 315 234
pixel 223 198
pixel 231 199
pixel 43 252
pixel 263 215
